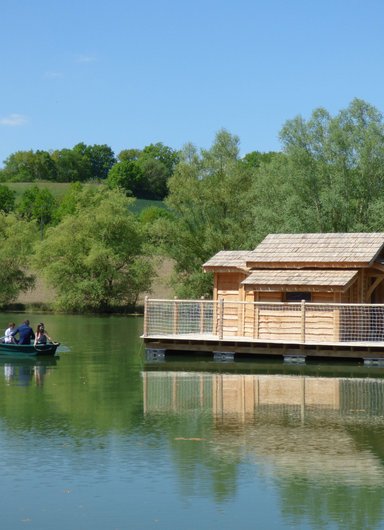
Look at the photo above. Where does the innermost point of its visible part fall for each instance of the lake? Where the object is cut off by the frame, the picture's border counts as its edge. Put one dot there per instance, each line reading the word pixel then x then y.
pixel 101 439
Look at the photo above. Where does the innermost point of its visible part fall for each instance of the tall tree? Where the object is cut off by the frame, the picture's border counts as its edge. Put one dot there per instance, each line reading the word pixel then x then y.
pixel 209 194
pixel 336 167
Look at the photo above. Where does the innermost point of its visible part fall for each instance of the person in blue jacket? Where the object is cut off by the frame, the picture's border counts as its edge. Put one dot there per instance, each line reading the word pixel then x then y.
pixel 25 333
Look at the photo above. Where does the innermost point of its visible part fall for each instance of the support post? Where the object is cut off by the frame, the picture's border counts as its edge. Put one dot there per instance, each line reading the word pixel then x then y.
pixel 221 318
pixel 303 321
pixel 145 330
pixel 175 316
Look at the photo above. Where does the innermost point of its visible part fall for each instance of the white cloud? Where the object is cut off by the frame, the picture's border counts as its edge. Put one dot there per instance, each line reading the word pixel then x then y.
pixel 13 120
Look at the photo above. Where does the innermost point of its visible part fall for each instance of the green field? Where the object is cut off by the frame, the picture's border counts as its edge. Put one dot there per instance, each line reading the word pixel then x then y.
pixel 58 189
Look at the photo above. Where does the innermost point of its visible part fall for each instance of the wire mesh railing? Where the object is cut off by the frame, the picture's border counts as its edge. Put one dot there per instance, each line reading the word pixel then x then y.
pixel 302 322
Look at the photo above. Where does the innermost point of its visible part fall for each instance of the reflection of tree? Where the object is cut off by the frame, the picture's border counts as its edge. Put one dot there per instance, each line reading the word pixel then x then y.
pixel 347 507
pixel 204 466
pixel 323 459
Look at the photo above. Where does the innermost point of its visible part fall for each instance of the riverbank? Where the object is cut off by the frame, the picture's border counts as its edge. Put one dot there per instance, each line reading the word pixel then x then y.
pixel 42 296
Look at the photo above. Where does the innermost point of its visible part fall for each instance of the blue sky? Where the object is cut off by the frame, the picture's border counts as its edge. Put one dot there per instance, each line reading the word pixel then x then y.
pixel 129 73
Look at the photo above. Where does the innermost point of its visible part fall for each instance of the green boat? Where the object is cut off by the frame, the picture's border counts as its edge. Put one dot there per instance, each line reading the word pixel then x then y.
pixel 28 350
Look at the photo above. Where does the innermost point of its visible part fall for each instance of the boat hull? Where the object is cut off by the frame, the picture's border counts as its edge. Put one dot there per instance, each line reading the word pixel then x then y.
pixel 28 350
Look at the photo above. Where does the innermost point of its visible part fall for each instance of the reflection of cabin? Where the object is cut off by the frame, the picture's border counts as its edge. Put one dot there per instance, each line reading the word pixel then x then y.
pixel 345 268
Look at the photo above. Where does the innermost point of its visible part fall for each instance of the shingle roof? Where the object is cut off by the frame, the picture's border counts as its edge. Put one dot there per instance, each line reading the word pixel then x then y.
pixel 335 279
pixel 229 259
pixel 338 249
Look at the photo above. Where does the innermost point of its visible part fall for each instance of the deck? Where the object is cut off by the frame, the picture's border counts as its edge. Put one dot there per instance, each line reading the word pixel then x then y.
pixel 351 331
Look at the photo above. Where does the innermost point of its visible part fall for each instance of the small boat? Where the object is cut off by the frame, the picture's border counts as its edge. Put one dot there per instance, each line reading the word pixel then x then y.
pixel 28 350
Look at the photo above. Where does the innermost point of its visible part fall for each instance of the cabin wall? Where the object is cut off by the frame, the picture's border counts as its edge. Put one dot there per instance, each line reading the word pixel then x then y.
pixel 279 323
pixel 228 288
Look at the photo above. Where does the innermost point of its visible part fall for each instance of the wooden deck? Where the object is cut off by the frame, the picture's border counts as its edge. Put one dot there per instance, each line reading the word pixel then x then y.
pixel 293 330
pixel 201 343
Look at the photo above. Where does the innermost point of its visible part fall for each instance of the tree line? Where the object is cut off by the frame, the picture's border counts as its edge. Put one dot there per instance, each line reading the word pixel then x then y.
pixel 98 254
pixel 142 173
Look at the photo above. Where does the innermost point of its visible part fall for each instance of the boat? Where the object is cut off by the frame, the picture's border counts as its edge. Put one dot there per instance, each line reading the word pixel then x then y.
pixel 28 350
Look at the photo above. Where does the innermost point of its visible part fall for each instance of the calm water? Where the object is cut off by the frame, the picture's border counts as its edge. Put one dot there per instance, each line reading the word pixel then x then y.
pixel 99 439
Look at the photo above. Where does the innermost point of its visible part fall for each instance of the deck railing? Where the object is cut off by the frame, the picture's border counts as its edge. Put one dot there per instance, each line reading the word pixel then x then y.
pixel 302 322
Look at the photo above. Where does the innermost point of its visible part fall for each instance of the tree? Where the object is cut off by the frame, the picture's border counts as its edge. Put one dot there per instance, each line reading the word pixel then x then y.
pixel 72 166
pixel 27 166
pixel 100 157
pixel 335 167
pixel 94 259
pixel 127 176
pixel 19 167
pixel 145 173
pixel 37 204
pixel 7 199
pixel 17 238
pixel 209 194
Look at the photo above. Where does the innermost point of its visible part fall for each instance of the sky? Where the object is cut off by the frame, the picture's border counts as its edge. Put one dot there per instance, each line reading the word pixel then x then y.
pixel 130 73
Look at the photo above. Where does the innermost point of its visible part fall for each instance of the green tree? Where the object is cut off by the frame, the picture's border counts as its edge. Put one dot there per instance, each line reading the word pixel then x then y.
pixel 7 199
pixel 19 167
pixel 209 197
pixel 144 174
pixel 127 176
pixel 100 157
pixel 27 166
pixel 94 258
pixel 72 166
pixel 37 204
pixel 335 167
pixel 17 238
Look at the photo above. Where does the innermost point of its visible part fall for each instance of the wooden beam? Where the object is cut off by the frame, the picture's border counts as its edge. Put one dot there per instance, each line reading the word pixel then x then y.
pixel 375 284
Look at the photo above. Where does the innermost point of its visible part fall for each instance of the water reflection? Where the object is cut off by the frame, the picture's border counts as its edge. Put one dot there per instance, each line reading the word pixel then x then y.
pixel 319 439
pixel 26 371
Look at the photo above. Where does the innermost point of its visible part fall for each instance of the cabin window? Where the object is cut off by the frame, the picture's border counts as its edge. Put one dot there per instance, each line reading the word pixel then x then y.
pixel 298 296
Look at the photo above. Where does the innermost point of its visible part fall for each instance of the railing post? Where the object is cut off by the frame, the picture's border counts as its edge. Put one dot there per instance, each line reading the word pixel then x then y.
pixel 202 316
pixel 175 316
pixel 303 321
pixel 221 318
pixel 145 330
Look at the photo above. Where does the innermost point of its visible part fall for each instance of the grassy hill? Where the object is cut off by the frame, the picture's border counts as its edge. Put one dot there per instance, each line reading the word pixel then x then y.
pixel 58 190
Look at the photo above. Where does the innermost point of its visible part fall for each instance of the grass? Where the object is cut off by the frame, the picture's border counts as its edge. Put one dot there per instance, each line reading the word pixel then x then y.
pixel 58 190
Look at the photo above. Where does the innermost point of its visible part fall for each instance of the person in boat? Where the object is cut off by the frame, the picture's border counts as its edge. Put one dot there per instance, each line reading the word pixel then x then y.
pixel 42 336
pixel 25 332
pixel 8 333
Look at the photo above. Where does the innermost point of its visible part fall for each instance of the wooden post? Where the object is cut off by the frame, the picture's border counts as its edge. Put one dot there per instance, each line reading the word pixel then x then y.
pixel 202 316
pixel 145 330
pixel 303 321
pixel 221 318
pixel 175 316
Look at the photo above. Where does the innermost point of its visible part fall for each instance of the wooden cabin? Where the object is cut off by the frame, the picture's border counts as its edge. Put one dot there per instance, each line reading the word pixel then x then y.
pixel 315 269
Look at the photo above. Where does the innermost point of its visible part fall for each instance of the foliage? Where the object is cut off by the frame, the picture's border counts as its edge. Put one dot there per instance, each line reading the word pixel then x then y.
pixel 72 166
pixel 37 204
pixel 7 199
pixel 255 159
pixel 101 158
pixel 27 166
pixel 335 167
pixel 17 238
pixel 127 176
pixel 94 258
pixel 209 192
pixel 144 174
